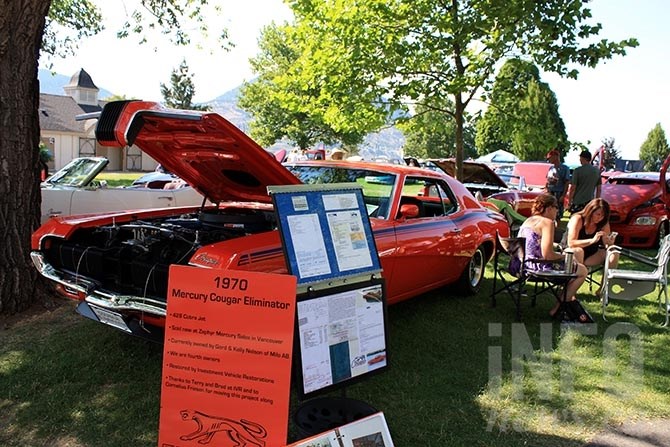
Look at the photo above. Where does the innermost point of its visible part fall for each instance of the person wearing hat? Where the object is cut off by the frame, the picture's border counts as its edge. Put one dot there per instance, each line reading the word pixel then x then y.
pixel 558 178
pixel 337 154
pixel 585 183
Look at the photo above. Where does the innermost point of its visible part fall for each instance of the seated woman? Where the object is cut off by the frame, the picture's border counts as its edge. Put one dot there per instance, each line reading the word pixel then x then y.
pixel 538 230
pixel 589 235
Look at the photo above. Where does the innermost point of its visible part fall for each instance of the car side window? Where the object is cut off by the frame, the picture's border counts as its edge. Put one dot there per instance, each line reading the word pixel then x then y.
pixel 446 197
pixel 432 196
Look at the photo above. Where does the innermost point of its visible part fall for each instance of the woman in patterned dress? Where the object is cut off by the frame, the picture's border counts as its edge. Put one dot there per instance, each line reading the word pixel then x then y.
pixel 538 230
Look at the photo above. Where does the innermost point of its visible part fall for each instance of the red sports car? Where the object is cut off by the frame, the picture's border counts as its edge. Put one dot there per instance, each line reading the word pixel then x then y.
pixel 640 206
pixel 429 230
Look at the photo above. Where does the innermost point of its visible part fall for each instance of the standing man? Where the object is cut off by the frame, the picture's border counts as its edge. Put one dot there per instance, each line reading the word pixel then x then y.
pixel 585 184
pixel 558 178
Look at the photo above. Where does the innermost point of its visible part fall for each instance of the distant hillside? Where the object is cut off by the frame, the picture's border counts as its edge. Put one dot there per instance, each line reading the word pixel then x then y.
pixel 226 106
pixel 53 84
pixel 387 142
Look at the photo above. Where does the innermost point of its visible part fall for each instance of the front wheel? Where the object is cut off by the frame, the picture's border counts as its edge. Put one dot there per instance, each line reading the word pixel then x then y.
pixel 471 279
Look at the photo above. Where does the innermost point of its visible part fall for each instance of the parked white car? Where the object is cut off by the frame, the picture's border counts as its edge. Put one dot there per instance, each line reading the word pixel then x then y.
pixel 75 190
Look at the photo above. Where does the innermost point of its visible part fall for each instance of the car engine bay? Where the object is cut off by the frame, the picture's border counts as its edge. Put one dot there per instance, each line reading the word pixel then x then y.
pixel 133 258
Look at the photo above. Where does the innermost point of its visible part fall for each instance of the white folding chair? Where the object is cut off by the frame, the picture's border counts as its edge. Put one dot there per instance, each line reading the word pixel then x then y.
pixel 628 285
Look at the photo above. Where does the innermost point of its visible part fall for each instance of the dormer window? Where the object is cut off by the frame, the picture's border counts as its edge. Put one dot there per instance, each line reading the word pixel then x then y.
pixel 88 97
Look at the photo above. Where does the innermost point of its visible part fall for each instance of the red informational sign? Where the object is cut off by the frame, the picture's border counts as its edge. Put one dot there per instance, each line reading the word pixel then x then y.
pixel 227 358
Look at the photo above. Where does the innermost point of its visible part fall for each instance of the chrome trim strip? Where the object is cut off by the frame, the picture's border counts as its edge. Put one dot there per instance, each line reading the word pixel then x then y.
pixel 95 296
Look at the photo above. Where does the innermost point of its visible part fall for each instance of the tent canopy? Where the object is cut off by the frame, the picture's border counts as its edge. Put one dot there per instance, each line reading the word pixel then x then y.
pixel 499 156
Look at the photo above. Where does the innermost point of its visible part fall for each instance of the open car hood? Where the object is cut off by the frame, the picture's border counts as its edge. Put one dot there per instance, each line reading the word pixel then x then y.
pixel 202 148
pixel 623 198
pixel 473 173
pixel 626 191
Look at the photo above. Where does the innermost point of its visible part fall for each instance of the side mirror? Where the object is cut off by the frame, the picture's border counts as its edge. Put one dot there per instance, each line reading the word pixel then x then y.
pixel 409 211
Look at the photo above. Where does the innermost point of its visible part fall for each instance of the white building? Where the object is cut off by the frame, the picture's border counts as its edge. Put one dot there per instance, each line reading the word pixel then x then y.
pixel 68 138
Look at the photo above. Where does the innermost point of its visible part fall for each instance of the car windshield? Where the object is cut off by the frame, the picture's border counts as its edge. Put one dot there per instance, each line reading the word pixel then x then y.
pixel 75 173
pixel 513 181
pixel 377 186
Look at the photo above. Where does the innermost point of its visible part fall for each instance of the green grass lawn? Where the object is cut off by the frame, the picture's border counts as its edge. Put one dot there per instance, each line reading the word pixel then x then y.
pixel 461 374
pixel 115 179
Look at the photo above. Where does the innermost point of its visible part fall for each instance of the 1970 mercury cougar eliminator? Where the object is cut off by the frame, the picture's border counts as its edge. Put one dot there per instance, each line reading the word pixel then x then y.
pixel 429 230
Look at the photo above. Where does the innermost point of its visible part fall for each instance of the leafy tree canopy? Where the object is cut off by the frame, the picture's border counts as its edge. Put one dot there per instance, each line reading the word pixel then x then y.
pixel 429 133
pixel 285 104
pixel 116 97
pixel 522 117
pixel 609 154
pixel 655 149
pixel 180 95
pixel 413 50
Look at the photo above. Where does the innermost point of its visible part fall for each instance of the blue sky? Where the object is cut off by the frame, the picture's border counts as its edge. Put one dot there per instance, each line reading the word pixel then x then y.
pixel 623 98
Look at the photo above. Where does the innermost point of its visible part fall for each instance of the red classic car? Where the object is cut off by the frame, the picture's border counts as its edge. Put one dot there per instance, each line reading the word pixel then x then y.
pixel 429 230
pixel 640 206
pixel 534 173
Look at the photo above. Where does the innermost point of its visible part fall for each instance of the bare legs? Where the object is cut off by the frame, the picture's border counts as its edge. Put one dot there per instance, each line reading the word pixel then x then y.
pixel 572 286
pixel 598 258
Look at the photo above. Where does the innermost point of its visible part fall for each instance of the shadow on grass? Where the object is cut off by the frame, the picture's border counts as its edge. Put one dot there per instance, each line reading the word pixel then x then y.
pixel 439 351
pixel 65 381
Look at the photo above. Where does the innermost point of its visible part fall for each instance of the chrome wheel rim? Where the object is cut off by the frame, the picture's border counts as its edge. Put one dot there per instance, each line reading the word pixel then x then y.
pixel 476 268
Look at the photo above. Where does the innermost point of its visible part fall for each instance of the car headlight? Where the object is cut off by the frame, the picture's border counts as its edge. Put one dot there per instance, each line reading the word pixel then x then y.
pixel 645 220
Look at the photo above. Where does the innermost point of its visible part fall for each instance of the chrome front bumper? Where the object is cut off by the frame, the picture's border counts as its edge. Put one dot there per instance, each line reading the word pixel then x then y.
pixel 93 292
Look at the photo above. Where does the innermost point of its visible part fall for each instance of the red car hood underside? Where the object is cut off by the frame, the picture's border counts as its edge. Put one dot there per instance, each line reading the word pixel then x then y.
pixel 210 154
pixel 623 198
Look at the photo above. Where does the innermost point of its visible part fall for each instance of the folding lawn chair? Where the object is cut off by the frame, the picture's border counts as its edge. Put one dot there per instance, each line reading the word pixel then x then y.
pixel 629 285
pixel 510 259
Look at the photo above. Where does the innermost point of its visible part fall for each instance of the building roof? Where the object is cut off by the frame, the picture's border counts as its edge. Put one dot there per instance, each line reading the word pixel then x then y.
pixel 82 79
pixel 89 108
pixel 57 113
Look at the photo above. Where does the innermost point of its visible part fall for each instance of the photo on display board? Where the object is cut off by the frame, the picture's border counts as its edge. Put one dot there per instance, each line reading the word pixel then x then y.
pixel 370 431
pixel 322 442
pixel 374 440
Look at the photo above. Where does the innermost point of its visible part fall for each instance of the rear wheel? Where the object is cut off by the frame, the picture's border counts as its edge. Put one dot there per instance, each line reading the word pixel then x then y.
pixel 471 279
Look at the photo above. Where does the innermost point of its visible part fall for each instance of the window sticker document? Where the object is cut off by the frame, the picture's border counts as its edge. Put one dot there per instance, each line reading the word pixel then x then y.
pixel 310 249
pixel 346 229
pixel 341 336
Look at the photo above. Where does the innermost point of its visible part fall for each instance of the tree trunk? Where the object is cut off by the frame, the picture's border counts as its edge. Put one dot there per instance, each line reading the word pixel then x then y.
pixel 21 29
pixel 460 111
